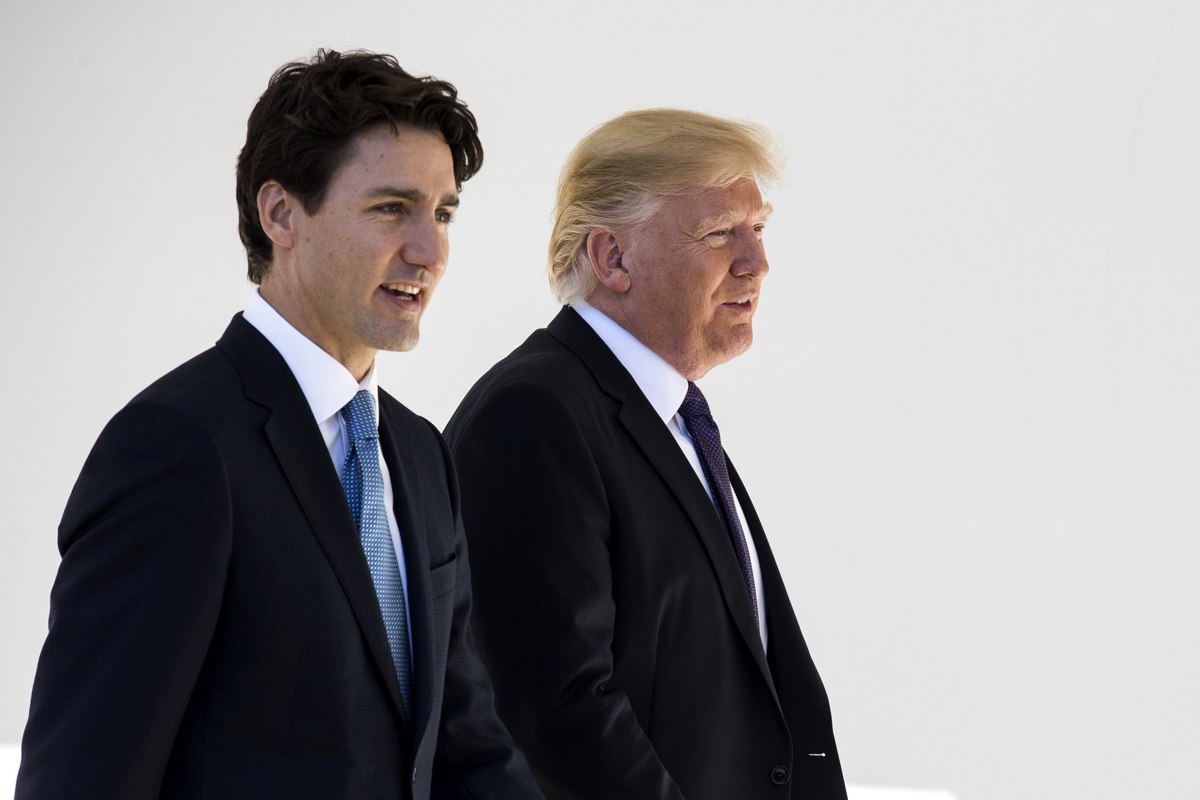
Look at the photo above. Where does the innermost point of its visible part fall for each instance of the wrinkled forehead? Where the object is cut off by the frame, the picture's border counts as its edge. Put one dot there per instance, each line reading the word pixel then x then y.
pixel 725 206
pixel 731 217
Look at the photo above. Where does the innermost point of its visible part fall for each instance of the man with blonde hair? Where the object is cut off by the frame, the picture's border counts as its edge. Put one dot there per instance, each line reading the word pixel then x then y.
pixel 631 614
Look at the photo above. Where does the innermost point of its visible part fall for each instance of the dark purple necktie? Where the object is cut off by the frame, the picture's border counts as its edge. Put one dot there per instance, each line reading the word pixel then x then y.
pixel 707 438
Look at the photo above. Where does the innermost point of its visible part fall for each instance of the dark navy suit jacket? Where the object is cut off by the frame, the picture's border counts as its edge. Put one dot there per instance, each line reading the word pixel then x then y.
pixel 612 612
pixel 214 631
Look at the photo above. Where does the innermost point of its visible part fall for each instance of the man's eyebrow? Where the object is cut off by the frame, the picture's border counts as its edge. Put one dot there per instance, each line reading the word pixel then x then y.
pixel 412 195
pixel 726 217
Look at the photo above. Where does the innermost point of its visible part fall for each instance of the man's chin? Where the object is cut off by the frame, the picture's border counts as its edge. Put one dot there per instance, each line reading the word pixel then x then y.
pixel 736 344
pixel 400 342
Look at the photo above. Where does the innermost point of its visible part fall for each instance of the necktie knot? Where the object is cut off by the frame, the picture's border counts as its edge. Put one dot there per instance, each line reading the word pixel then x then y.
pixel 359 415
pixel 694 405
pixel 699 419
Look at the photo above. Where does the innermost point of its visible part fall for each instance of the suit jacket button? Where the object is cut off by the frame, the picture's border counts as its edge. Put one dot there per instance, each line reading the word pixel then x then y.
pixel 780 776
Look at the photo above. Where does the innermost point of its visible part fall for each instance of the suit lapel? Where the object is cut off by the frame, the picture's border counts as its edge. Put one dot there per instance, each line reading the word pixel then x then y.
pixel 406 504
pixel 773 590
pixel 655 441
pixel 304 460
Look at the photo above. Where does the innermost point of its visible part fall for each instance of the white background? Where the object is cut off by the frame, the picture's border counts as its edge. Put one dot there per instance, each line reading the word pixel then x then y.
pixel 971 417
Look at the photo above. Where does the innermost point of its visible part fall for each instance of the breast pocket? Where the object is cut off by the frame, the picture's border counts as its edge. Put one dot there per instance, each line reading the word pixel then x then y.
pixel 442 578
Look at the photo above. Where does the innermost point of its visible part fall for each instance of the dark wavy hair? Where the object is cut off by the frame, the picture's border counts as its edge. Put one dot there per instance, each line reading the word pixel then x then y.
pixel 301 130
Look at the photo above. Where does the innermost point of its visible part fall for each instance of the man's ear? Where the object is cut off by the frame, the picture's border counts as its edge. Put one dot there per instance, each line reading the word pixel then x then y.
pixel 607 258
pixel 276 207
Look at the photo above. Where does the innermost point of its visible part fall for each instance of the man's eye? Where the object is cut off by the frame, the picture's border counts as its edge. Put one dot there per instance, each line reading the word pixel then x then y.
pixel 390 208
pixel 445 217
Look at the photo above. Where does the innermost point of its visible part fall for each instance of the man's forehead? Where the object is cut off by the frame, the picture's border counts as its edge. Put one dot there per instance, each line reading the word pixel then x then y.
pixel 387 192
pixel 408 163
pixel 732 211
pixel 727 212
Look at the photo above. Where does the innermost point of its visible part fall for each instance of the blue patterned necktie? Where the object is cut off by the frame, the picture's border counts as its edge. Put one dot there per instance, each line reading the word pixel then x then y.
pixel 707 438
pixel 363 482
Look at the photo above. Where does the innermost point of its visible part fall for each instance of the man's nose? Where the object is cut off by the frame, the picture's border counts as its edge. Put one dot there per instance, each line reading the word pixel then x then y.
pixel 426 245
pixel 752 260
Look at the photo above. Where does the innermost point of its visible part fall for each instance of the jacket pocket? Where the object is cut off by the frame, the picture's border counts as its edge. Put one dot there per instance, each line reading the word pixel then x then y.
pixel 442 578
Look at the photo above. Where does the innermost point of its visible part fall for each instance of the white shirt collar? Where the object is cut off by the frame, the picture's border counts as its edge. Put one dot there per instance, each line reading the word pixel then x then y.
pixel 327 385
pixel 663 386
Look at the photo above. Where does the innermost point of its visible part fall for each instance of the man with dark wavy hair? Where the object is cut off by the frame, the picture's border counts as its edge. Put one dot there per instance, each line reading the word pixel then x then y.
pixel 264 587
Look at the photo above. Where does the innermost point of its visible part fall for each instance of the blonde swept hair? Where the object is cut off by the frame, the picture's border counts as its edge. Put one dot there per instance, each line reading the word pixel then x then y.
pixel 619 174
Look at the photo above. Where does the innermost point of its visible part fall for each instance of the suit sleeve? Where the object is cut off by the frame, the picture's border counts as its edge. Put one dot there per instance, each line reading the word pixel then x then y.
pixel 537 517
pixel 145 543
pixel 476 757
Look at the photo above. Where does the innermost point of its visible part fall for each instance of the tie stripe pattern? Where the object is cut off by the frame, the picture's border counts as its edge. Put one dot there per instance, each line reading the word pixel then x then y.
pixel 707 438
pixel 363 482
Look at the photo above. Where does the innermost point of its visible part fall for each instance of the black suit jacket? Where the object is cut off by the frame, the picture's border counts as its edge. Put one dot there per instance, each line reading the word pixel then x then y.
pixel 612 613
pixel 214 631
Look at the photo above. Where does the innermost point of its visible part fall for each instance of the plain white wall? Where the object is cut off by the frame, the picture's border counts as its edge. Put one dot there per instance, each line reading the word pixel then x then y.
pixel 971 418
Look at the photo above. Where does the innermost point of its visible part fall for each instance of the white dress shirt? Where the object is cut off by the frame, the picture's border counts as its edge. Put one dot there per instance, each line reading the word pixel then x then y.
pixel 665 388
pixel 328 386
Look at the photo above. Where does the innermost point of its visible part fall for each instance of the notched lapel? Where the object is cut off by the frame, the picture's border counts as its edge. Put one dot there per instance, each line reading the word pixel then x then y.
pixel 304 460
